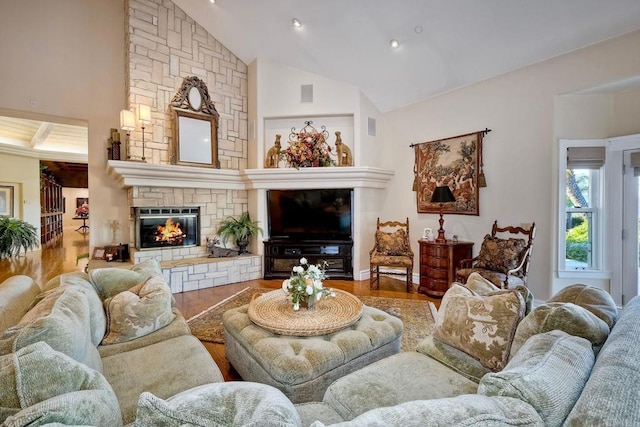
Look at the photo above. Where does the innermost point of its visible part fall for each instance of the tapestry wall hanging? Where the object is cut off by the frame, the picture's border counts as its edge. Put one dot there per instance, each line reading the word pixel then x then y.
pixel 455 162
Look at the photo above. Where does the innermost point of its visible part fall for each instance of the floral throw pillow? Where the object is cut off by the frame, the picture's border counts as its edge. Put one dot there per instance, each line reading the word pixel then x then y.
pixel 500 254
pixel 392 244
pixel 483 326
pixel 143 309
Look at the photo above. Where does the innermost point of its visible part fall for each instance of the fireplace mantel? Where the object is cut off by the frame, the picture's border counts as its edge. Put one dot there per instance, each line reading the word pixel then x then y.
pixel 130 174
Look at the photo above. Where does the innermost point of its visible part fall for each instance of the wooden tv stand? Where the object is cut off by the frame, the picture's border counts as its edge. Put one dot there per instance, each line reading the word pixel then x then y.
pixel 280 256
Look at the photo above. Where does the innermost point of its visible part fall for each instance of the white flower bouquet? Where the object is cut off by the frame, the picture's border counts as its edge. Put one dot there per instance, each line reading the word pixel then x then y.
pixel 305 285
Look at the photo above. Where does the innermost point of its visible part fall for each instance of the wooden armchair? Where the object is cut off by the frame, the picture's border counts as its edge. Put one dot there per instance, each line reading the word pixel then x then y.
pixel 504 262
pixel 392 249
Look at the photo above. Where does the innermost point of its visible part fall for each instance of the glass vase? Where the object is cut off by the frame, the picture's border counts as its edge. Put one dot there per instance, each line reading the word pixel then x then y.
pixel 309 302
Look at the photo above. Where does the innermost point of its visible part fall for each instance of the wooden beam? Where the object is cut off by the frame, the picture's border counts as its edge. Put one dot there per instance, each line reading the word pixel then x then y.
pixel 41 134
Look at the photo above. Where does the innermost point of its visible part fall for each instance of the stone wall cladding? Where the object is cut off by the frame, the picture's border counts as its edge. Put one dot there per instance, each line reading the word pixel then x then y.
pixel 164 47
pixel 160 56
pixel 215 205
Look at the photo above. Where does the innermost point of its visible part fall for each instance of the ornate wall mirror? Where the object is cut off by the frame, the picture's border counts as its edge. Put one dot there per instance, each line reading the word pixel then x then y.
pixel 195 126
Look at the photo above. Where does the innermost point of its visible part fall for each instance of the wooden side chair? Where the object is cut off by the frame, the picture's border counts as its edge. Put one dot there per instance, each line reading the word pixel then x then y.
pixel 504 262
pixel 392 249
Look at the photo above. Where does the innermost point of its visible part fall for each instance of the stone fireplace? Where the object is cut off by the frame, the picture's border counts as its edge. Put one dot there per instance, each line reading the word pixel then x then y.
pixel 167 227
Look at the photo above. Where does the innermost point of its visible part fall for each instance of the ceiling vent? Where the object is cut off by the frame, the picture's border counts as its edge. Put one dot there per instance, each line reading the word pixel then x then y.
pixel 306 93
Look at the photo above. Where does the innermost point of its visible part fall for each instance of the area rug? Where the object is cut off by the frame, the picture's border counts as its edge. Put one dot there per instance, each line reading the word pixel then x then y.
pixel 415 315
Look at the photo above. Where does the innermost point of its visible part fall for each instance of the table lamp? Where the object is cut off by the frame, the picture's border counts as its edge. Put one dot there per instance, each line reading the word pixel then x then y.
pixel 442 195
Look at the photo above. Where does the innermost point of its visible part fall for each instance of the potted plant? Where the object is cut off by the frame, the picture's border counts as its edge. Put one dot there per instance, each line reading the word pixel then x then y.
pixel 15 235
pixel 240 230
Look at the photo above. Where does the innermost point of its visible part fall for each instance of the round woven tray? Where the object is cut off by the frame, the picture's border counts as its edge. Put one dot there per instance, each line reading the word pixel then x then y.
pixel 274 312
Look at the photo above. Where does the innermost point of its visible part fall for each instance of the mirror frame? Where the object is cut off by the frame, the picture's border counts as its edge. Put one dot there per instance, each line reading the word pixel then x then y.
pixel 183 110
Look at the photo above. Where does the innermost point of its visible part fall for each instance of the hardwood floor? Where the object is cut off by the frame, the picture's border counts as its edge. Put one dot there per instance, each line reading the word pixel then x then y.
pixel 58 257
pixel 61 256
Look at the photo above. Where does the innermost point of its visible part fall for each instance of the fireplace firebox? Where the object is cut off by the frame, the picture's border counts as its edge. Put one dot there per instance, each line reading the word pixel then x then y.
pixel 167 227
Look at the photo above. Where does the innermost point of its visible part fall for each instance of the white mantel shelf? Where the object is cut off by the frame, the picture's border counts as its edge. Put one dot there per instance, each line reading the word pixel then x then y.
pixel 325 177
pixel 130 174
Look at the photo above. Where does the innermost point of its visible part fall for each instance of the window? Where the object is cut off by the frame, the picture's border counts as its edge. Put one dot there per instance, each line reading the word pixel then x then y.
pixel 581 208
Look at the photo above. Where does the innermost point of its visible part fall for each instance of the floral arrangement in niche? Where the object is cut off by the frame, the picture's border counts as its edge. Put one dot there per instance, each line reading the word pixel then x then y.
pixel 308 148
pixel 305 288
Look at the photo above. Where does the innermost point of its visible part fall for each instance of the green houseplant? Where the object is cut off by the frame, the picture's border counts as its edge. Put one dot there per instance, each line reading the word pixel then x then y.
pixel 239 230
pixel 15 235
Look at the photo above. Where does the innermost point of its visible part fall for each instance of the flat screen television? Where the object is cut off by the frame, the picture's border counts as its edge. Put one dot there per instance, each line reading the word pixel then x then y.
pixel 310 214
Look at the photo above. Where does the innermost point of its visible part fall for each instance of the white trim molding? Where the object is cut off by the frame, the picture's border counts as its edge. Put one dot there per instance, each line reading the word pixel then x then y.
pixel 132 173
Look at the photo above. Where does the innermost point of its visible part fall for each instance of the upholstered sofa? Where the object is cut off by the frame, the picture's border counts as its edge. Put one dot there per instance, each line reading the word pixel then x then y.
pixel 81 349
pixel 571 362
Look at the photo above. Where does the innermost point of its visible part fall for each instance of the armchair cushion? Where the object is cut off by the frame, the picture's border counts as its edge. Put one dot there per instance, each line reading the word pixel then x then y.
pixel 500 254
pixel 391 261
pixel 393 244
pixel 139 311
pixel 482 326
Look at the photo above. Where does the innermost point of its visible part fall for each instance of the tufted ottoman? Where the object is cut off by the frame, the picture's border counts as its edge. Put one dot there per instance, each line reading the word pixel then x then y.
pixel 303 367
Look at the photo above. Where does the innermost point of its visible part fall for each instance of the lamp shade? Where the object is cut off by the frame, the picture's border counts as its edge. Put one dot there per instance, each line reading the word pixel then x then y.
pixel 144 114
pixel 442 195
pixel 127 120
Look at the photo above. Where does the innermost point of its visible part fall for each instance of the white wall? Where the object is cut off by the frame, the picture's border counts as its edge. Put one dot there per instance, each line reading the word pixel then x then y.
pixel 70 195
pixel 24 174
pixel 275 107
pixel 520 154
pixel 626 113
pixel 278 96
pixel 68 56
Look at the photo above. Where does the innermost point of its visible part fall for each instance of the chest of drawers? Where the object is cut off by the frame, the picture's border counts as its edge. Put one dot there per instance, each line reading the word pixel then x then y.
pixel 438 262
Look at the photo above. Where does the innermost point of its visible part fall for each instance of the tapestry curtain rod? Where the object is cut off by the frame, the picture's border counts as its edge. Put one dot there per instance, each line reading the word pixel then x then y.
pixel 484 132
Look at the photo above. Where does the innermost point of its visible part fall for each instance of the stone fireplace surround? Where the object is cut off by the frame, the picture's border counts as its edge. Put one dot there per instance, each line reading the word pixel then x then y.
pixel 221 193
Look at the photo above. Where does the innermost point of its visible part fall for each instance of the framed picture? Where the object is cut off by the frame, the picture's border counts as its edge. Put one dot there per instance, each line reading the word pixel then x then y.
pixel 454 162
pixel 6 200
pixel 427 234
pixel 81 201
pixel 112 253
pixel 195 125
pixel 98 253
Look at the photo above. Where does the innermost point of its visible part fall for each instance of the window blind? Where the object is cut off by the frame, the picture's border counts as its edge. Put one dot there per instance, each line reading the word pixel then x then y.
pixel 586 157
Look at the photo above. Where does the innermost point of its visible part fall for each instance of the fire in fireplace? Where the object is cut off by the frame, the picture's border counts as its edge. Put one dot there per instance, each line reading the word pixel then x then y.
pixel 167 227
pixel 171 232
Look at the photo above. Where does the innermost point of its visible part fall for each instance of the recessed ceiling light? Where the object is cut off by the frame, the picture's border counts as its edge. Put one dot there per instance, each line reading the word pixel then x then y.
pixel 212 1
pixel 418 29
pixel 296 23
pixel 394 43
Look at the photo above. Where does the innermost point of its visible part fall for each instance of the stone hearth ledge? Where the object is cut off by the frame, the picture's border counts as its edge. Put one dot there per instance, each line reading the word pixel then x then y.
pixel 131 173
pixel 199 273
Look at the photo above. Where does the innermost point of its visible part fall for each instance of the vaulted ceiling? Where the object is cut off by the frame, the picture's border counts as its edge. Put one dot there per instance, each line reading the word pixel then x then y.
pixel 443 45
